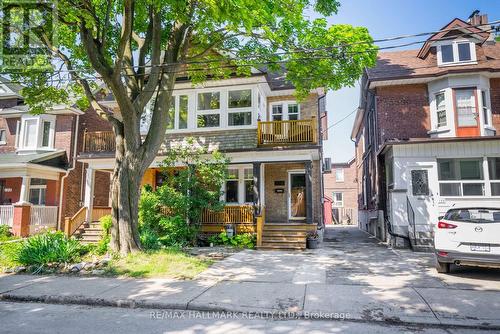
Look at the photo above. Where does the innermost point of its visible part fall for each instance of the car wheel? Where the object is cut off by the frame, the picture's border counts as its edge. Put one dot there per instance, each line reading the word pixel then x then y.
pixel 443 268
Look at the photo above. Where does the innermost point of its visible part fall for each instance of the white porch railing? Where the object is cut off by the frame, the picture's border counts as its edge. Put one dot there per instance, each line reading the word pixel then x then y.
pixel 6 215
pixel 43 218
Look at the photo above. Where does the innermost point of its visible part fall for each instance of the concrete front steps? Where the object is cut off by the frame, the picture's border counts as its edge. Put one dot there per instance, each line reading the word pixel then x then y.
pixel 288 236
pixel 89 233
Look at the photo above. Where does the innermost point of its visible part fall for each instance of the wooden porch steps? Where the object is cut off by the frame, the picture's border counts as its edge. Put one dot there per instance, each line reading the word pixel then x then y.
pixel 89 233
pixel 287 236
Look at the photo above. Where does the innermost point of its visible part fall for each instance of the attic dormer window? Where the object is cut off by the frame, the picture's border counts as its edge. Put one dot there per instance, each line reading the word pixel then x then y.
pixel 456 53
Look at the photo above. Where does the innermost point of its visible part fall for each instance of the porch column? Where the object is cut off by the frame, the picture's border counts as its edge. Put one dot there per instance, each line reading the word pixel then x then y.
pixel 256 188
pixel 88 201
pixel 21 219
pixel 309 194
pixel 24 194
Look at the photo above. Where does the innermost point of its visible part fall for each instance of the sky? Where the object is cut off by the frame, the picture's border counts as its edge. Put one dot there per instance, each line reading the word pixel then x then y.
pixel 387 18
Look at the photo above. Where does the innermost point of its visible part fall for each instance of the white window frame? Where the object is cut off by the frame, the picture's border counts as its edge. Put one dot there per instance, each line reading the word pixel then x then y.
pixel 335 203
pixel 284 104
pixel 437 109
pixel 202 112
pixel 485 107
pixel 240 110
pixel 3 133
pixel 40 188
pixel 485 181
pixel 38 132
pixel 341 179
pixel 454 45
pixel 241 184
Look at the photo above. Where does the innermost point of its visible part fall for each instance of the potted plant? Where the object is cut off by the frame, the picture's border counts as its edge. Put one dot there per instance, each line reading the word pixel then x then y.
pixel 312 241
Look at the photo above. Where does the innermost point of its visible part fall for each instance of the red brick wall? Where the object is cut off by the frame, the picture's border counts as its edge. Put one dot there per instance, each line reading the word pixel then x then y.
pixel 10 125
pixel 495 103
pixel 13 183
pixel 349 187
pixel 64 132
pixel 403 112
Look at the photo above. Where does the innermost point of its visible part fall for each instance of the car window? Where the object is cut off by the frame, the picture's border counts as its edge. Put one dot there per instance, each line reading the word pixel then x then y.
pixel 476 215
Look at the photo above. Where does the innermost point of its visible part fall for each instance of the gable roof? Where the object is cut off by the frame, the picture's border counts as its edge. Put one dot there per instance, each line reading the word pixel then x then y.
pixel 455 24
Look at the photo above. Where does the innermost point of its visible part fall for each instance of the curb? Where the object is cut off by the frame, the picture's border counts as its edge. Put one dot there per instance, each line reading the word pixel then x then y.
pixel 283 315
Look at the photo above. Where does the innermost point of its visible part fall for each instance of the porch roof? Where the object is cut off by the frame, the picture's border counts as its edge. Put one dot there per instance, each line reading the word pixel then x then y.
pixel 43 165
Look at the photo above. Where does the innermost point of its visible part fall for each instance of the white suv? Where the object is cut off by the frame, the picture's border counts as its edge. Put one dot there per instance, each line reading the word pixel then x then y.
pixel 468 235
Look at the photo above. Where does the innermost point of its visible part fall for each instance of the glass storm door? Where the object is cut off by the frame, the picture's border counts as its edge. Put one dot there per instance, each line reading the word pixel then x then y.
pixel 297 195
pixel 467 117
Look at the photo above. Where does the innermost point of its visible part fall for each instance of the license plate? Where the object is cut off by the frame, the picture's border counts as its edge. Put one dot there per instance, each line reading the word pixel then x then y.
pixel 480 248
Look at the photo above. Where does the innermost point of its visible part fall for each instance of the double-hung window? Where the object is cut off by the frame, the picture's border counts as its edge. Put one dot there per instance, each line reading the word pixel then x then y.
pixel 484 104
pixel 239 185
pixel 38 190
pixel 338 200
pixel 3 136
pixel 441 109
pixel 461 177
pixel 339 174
pixel 285 111
pixel 239 105
pixel 208 110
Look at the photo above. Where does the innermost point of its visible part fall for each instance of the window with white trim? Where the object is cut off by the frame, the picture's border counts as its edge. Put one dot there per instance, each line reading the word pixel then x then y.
pixel 38 191
pixel 456 52
pixel 441 109
pixel 3 136
pixel 461 177
pixel 239 104
pixel 338 199
pixel 494 175
pixel 239 185
pixel 37 132
pixel 339 174
pixel 208 110
pixel 484 104
pixel 285 111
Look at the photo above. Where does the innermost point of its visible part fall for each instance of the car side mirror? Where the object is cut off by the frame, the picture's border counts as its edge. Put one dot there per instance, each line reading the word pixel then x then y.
pixel 440 217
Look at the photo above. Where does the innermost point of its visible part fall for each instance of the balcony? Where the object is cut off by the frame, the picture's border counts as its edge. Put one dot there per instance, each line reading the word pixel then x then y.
pixel 269 133
pixel 276 133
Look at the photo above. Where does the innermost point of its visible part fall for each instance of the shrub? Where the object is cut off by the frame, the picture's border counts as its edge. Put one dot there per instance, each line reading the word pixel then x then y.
pixel 176 232
pixel 48 248
pixel 149 239
pixel 245 240
pixel 102 246
pixel 5 233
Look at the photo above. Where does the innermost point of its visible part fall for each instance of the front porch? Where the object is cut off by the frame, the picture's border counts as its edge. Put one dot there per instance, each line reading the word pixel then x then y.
pixel 282 196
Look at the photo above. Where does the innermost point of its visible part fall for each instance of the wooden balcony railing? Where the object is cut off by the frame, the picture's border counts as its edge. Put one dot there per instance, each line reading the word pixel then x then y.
pixel 287 132
pixel 231 214
pixel 98 141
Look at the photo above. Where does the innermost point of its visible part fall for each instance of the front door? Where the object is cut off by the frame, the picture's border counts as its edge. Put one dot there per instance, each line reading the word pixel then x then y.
pixel 466 114
pixel 297 195
pixel 420 202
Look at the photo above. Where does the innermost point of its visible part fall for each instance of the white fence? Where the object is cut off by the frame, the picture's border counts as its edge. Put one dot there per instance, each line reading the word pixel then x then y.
pixel 43 218
pixel 6 215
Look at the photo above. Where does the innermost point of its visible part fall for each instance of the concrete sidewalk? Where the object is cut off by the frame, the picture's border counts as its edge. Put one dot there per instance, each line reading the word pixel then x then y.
pixel 358 280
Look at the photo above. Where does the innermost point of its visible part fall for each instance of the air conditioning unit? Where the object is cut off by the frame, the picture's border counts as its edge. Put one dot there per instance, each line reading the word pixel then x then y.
pixel 327 165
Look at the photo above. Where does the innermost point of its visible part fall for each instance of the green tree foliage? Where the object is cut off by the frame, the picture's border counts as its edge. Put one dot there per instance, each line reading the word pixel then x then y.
pixel 136 49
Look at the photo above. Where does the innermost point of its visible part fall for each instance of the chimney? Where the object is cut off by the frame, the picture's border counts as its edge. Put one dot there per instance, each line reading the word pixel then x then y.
pixel 481 21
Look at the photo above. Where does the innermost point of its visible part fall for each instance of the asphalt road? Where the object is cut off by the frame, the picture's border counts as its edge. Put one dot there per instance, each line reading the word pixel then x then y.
pixel 22 318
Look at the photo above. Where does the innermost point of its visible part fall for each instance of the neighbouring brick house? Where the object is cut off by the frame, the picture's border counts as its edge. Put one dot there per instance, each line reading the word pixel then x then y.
pixel 36 154
pixel 426 132
pixel 341 187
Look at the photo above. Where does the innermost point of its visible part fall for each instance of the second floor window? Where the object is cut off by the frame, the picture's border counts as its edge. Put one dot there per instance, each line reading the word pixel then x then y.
pixel 338 200
pixel 285 111
pixel 239 107
pixel 484 104
pixel 208 110
pixel 456 52
pixel 441 109
pixel 3 136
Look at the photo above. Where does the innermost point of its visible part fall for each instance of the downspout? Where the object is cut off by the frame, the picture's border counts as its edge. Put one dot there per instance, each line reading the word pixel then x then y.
pixel 320 141
pixel 73 165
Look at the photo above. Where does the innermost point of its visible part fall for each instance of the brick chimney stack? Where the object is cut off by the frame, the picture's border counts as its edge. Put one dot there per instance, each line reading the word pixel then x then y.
pixel 481 21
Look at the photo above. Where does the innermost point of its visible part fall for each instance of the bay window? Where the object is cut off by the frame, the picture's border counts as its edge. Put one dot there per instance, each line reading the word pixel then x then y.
pixel 239 185
pixel 208 110
pixel 484 104
pixel 239 105
pixel 183 112
pixel 37 132
pixel 461 177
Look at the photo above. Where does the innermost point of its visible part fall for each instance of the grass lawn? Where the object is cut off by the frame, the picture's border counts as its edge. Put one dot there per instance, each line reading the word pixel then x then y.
pixel 5 262
pixel 166 263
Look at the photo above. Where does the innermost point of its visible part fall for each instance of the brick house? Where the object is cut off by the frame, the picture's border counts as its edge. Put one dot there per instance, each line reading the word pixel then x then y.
pixel 274 144
pixel 426 132
pixel 36 154
pixel 341 188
